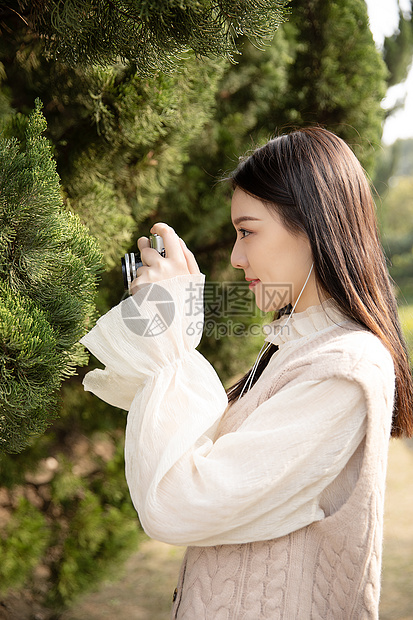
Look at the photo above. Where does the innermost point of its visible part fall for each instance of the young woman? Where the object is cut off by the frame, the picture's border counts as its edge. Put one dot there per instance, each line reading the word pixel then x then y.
pixel 278 494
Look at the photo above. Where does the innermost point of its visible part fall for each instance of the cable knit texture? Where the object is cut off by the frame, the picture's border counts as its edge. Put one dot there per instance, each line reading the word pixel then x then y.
pixel 279 496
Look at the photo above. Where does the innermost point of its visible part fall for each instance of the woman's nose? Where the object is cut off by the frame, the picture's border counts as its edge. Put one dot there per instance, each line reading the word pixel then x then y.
pixel 238 259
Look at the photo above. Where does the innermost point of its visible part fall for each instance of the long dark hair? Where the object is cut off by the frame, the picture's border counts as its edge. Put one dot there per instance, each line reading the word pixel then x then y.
pixel 313 180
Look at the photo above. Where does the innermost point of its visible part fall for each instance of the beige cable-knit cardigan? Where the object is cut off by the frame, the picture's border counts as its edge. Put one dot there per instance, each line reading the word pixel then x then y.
pixel 281 501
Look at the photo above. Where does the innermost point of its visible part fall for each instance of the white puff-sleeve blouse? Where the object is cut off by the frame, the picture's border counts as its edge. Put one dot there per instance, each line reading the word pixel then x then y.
pixel 258 483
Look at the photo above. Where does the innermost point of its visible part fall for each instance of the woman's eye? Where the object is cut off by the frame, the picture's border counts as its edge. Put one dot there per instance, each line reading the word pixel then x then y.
pixel 244 233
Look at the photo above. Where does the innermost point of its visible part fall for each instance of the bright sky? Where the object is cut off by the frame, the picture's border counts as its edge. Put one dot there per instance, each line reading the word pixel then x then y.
pixel 383 15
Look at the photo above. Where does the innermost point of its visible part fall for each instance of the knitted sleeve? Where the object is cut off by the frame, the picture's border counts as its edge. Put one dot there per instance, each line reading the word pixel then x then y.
pixel 258 483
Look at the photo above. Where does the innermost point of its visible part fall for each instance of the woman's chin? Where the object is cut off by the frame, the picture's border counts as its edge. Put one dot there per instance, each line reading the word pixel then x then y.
pixel 269 303
pixel 264 307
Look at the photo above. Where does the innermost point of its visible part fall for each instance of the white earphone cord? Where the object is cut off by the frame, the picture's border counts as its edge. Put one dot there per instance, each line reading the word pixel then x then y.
pixel 248 382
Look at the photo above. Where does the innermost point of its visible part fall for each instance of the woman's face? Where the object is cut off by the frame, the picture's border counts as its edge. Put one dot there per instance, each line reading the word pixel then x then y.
pixel 275 261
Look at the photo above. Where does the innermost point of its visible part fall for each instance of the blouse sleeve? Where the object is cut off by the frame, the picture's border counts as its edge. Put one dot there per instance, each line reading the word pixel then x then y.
pixel 258 483
pixel 158 327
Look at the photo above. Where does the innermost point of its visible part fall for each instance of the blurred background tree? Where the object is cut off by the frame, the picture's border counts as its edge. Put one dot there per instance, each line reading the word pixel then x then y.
pixel 398 50
pixel 132 148
pixel 394 183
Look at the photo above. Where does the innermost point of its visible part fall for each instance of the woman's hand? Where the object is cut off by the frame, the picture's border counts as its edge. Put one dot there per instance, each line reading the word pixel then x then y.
pixel 178 261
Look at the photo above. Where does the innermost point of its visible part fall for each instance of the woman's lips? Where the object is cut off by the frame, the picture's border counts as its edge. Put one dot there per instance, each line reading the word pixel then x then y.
pixel 252 283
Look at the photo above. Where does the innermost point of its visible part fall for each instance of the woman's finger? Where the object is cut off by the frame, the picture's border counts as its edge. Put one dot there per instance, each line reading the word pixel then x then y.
pixel 143 242
pixel 148 255
pixel 190 258
pixel 170 239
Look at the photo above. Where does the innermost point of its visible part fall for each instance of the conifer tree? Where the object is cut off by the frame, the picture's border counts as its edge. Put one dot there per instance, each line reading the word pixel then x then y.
pixel 337 77
pixel 48 270
pixel 119 139
pixel 154 35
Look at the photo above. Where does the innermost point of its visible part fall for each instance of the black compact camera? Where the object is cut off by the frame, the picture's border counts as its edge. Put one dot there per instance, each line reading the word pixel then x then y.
pixel 132 261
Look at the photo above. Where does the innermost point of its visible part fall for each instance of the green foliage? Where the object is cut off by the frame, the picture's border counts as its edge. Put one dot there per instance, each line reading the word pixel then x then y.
pixel 337 77
pixel 394 180
pixel 398 207
pixel 22 545
pixel 28 372
pixel 142 133
pixel 103 526
pixel 86 526
pixel 398 50
pixel 48 266
pixel 404 157
pixel 119 139
pixel 94 539
pixel 153 34
pixel 394 160
pixel 84 523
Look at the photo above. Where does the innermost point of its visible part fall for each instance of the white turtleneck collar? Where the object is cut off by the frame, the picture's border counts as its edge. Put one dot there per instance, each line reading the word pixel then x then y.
pixel 305 323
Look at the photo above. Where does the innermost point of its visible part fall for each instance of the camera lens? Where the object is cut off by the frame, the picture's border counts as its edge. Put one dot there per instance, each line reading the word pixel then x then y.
pixel 130 263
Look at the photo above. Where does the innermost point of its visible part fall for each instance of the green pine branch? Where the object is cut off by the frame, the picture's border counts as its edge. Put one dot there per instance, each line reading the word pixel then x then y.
pixel 48 272
pixel 154 35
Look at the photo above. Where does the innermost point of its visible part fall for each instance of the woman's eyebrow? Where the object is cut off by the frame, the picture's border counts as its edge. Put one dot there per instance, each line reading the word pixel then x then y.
pixel 245 218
